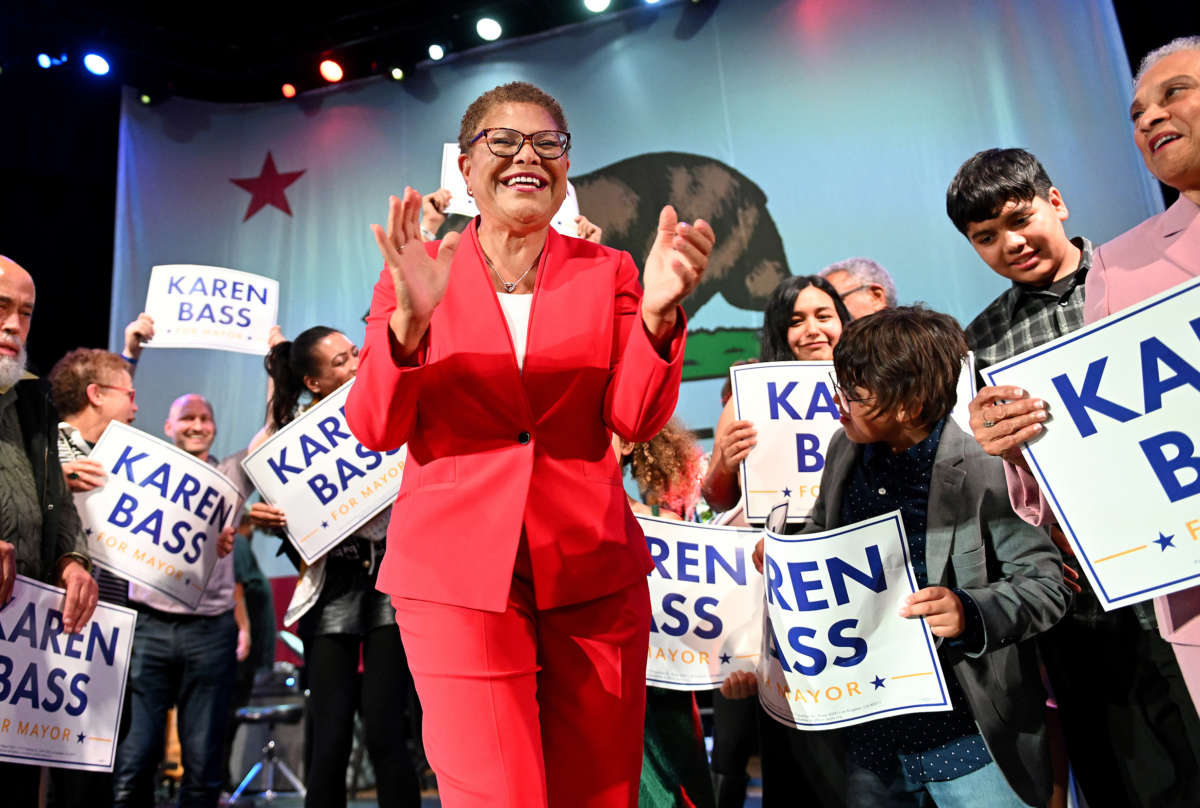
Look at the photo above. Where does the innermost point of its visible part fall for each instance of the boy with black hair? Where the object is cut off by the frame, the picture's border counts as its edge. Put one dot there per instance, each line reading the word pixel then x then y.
pixel 989 580
pixel 1129 734
pixel 1003 202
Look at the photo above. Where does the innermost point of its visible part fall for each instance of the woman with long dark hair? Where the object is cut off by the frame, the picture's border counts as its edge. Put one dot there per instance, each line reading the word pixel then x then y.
pixel 803 321
pixel 338 608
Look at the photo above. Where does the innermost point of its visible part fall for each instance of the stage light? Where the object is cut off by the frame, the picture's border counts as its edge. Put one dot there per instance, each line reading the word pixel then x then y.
pixel 436 52
pixel 397 73
pixel 145 99
pixel 331 71
pixel 43 60
pixel 288 90
pixel 96 64
pixel 488 29
pixel 596 6
pixel 652 2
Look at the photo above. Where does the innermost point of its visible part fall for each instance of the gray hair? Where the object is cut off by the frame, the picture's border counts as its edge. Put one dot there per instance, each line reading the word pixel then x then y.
pixel 864 270
pixel 1183 43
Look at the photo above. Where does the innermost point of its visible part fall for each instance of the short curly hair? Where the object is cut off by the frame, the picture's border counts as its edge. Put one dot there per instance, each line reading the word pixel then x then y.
pixel 665 468
pixel 515 92
pixel 71 375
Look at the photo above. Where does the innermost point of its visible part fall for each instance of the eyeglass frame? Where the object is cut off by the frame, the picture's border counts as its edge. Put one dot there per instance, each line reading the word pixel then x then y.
pixel 566 146
pixel 129 391
pixel 840 392
pixel 842 295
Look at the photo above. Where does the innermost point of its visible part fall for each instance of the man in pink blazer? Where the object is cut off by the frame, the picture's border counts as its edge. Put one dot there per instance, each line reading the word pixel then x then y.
pixel 1161 252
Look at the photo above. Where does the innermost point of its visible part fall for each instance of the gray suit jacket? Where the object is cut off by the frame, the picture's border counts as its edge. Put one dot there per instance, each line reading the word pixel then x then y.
pixel 1013 572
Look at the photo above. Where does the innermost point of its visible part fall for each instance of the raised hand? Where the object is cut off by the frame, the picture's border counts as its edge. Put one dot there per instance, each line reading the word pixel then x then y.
pixel 138 332
pixel 673 268
pixel 420 281
pixel 588 230
pixel 433 212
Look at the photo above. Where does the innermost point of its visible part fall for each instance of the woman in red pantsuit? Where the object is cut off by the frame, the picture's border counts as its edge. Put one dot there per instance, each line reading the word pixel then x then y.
pixel 506 359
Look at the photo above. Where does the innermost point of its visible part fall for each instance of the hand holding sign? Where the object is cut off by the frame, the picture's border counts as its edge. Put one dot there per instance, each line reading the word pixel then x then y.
pixel 419 281
pixel 81 598
pixel 83 474
pixel 941 608
pixel 1004 418
pixel 138 332
pixel 8 571
pixel 433 210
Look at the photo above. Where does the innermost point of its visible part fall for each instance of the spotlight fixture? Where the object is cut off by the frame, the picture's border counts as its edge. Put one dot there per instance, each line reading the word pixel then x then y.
pixel 43 60
pixel 288 90
pixel 596 6
pixel 331 71
pixel 145 99
pixel 96 64
pixel 436 52
pixel 488 29
pixel 397 73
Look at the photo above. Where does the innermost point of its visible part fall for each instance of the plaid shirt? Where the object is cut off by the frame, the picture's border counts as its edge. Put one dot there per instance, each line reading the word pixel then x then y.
pixel 1025 317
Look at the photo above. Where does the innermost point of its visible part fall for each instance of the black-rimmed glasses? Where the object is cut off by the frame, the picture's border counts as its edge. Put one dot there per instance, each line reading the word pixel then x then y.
pixel 550 144
pixel 848 292
pixel 843 396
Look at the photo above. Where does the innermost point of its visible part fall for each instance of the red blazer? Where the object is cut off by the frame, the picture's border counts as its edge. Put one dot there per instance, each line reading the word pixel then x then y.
pixel 493 450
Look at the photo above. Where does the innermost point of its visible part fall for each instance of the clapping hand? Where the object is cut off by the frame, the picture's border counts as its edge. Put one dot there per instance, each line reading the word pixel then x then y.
pixel 673 269
pixel 420 281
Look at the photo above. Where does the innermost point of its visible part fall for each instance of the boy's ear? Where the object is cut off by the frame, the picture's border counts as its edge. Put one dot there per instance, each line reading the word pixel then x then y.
pixel 1057 203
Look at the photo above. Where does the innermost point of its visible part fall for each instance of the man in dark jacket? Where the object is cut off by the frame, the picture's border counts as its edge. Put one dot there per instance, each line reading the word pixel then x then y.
pixel 40 533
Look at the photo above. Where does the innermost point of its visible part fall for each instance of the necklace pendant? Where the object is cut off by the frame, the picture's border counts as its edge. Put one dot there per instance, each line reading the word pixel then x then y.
pixel 508 287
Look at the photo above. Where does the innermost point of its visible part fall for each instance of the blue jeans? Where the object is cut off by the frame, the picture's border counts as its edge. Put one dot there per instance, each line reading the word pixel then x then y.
pixel 190 662
pixel 982 788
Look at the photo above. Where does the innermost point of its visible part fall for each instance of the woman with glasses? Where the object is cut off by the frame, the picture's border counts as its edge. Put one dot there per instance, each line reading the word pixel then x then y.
pixel 505 359
pixel 803 321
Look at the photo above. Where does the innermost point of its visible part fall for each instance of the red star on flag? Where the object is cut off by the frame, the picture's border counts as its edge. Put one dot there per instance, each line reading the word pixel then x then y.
pixel 267 188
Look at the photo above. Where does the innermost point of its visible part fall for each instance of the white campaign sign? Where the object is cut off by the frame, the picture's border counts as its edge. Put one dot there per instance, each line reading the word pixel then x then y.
pixel 326 482
pixel 792 407
pixel 211 307
pixel 1119 459
pixel 61 694
pixel 463 203
pixel 706 599
pixel 836 651
pixel 157 518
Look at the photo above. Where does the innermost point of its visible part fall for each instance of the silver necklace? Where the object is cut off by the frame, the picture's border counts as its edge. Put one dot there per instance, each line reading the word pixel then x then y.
pixel 508 287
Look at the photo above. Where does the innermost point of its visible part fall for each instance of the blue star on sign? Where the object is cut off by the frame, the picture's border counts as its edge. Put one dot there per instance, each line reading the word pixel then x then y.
pixel 1164 542
pixel 787 492
pixel 725 659
pixel 324 524
pixel 877 681
pixel 88 532
pixel 79 738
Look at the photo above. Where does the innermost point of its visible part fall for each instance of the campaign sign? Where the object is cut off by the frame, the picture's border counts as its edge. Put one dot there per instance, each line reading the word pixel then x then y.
pixel 706 598
pixel 211 307
pixel 1119 459
pixel 326 482
pixel 835 650
pixel 157 518
pixel 791 406
pixel 61 694
pixel 463 203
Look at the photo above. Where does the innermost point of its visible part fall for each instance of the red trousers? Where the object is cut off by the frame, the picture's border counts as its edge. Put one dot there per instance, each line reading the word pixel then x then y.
pixel 532 708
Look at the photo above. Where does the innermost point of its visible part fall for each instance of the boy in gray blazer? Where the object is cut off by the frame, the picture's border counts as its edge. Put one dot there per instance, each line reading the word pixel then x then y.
pixel 990 582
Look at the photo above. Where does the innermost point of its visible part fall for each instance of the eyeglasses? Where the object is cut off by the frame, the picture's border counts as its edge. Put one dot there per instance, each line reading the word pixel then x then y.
pixel 129 391
pixel 848 292
pixel 845 397
pixel 550 144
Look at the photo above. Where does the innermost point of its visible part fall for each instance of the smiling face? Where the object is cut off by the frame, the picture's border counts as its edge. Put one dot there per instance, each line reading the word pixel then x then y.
pixel 1026 242
pixel 519 193
pixel 1166 121
pixel 190 425
pixel 336 361
pixel 815 327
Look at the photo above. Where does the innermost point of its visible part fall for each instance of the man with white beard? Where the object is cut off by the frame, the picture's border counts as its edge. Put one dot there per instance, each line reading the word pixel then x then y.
pixel 40 532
